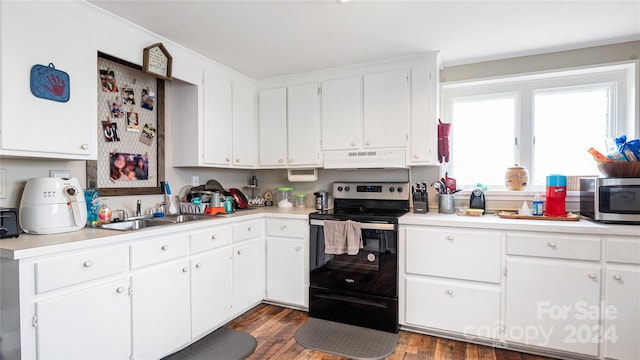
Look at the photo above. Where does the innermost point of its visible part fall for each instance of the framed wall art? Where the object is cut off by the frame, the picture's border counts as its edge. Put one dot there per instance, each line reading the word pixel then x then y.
pixel 130 130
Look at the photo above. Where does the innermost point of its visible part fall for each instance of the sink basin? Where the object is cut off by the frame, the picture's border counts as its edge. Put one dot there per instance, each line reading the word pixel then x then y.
pixel 134 224
pixel 185 218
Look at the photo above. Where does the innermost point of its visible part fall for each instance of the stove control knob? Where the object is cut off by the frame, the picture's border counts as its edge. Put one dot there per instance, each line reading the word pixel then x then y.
pixel 392 189
pixel 399 189
pixel 346 188
pixel 339 188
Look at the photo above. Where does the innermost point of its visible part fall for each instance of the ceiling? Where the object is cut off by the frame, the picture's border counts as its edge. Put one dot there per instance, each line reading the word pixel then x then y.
pixel 264 39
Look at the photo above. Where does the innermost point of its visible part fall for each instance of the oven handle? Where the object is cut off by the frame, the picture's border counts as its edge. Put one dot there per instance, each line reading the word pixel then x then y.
pixel 363 226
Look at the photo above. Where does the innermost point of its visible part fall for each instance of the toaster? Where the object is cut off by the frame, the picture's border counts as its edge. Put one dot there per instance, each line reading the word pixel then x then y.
pixel 9 223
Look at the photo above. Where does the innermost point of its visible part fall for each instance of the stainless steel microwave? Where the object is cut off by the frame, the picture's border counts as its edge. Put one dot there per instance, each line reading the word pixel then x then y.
pixel 611 200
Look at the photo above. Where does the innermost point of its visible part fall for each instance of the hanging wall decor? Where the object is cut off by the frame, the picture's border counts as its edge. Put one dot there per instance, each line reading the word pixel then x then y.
pixel 49 83
pixel 157 61
pixel 131 130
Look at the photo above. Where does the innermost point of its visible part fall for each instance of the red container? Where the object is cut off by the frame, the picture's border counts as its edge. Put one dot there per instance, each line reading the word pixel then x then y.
pixel 556 195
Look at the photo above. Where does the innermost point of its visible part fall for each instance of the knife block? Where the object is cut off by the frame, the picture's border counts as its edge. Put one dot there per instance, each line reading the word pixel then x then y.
pixel 420 207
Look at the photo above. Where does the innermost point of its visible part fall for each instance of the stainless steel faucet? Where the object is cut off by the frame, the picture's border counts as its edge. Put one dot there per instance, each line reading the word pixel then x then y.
pixel 125 214
pixel 139 208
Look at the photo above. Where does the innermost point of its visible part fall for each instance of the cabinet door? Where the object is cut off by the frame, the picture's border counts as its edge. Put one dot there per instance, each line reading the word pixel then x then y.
pixel 245 126
pixel 285 271
pixel 341 114
pixel 385 109
pixel 211 290
pixel 273 127
pixel 218 120
pixel 247 276
pixel 94 323
pixel 41 33
pixel 160 310
pixel 548 304
pixel 622 314
pixel 303 133
pixel 424 97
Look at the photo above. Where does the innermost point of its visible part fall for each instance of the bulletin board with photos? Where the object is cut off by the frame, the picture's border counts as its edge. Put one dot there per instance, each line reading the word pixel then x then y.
pixel 130 130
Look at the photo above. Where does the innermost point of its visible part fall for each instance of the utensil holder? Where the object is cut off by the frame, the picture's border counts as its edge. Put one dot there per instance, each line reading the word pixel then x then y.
pixel 420 207
pixel 446 204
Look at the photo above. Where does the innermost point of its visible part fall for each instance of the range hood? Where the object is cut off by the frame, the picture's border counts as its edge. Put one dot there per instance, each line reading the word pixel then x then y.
pixel 365 159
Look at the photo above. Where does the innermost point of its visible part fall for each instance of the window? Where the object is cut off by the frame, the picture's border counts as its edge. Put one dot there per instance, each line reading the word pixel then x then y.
pixel 545 122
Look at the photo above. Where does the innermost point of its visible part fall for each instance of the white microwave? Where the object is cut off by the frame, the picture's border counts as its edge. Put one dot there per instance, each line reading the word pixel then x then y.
pixel 610 200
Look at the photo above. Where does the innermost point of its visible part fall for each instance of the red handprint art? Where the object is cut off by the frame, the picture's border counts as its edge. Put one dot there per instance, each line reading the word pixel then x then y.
pixel 57 85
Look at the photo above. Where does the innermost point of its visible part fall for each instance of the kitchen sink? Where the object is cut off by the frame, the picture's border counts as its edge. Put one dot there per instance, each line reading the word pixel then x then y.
pixel 134 224
pixel 184 218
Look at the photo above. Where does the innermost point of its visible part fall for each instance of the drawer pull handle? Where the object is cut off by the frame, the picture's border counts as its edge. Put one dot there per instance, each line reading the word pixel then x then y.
pixel 592 275
pixel 165 247
pixel 239 252
pixel 120 290
pixel 449 237
pixel 88 263
pixel 198 265
pixel 617 277
pixel 552 244
pixel 214 236
pixel 249 228
pixel 298 248
pixel 280 161
pixel 84 146
pixel 450 292
pixel 185 269
pixel 282 227
pixel 227 159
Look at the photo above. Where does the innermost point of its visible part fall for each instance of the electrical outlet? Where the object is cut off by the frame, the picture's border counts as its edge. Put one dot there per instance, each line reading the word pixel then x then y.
pixel 3 183
pixel 59 174
pixel 195 180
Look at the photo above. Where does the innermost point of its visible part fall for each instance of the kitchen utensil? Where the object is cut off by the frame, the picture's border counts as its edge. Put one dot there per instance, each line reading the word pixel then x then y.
pixel 52 206
pixel 446 204
pixel 172 205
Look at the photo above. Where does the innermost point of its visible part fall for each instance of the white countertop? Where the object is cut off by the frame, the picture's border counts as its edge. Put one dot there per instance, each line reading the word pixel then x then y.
pixel 29 245
pixel 492 221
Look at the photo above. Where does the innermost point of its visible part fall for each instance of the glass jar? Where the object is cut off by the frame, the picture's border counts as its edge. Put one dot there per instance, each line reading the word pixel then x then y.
pixel 301 200
pixel 284 197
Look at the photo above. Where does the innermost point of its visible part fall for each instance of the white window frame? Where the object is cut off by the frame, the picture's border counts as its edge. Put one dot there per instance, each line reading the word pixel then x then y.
pixel 623 118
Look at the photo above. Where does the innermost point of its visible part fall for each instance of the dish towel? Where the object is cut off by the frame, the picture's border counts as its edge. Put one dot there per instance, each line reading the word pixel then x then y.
pixel 342 237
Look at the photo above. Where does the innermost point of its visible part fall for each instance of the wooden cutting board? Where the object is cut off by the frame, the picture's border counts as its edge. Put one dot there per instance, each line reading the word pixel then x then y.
pixel 514 215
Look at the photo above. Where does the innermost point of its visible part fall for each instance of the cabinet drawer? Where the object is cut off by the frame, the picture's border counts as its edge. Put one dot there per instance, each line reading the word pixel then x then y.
pixel 156 251
pixel 286 228
pixel 452 306
pixel 53 274
pixel 210 239
pixel 623 251
pixel 458 254
pixel 246 230
pixel 554 246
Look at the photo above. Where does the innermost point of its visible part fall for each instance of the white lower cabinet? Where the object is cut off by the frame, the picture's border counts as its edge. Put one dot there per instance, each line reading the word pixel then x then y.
pixel 92 323
pixel 287 262
pixel 450 280
pixel 211 290
pixel 247 275
pixel 470 309
pixel 160 310
pixel 553 292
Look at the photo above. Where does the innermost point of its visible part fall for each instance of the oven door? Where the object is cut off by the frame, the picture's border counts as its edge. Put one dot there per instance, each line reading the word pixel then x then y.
pixel 373 271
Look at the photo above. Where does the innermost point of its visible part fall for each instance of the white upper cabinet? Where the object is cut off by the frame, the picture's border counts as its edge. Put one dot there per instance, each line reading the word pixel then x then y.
pixel 386 102
pixel 214 124
pixel 273 127
pixel 341 113
pixel 217 122
pixel 41 33
pixel 245 126
pixel 423 140
pixel 303 126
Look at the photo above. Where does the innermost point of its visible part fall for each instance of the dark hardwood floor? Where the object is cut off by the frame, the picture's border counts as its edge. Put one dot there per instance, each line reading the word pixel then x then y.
pixel 274 328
